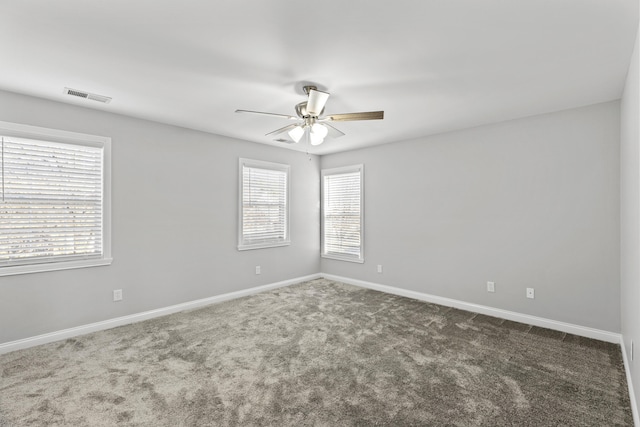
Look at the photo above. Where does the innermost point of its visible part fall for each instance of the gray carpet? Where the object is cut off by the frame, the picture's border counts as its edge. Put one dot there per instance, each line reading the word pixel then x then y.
pixel 318 354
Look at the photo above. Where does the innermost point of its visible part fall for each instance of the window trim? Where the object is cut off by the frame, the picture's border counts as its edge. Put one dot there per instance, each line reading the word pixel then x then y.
pixel 67 137
pixel 260 164
pixel 337 171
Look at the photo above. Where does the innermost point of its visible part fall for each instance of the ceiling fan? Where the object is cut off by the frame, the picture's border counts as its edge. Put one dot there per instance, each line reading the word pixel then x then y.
pixel 312 126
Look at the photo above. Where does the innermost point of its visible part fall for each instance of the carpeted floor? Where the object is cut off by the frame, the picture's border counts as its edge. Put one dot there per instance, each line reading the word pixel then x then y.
pixel 318 354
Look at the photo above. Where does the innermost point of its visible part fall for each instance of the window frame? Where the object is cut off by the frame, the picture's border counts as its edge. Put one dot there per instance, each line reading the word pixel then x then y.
pixel 260 164
pixel 339 171
pixel 66 137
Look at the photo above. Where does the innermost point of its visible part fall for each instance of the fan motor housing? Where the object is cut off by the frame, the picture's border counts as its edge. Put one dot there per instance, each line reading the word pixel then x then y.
pixel 301 110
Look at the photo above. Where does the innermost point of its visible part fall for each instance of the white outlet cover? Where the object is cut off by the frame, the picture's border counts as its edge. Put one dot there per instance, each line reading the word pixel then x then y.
pixel 117 295
pixel 531 293
pixel 379 268
pixel 491 286
pixel 258 269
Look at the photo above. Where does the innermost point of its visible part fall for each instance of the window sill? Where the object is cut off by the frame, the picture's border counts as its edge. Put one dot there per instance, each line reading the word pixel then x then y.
pixel 262 246
pixel 53 266
pixel 343 258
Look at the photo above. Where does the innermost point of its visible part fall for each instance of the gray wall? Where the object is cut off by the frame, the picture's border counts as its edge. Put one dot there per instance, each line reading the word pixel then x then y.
pixel 174 216
pixel 526 203
pixel 630 217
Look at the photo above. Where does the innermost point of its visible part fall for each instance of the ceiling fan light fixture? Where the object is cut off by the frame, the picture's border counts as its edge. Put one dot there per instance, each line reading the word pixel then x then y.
pixel 296 133
pixel 317 134
pixel 316 102
pixel 320 130
pixel 315 139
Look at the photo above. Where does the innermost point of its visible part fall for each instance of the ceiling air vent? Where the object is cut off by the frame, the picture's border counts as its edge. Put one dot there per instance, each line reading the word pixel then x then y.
pixel 87 95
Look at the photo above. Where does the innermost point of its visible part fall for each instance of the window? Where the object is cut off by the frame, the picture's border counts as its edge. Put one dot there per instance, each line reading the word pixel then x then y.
pixel 54 199
pixel 342 221
pixel 264 205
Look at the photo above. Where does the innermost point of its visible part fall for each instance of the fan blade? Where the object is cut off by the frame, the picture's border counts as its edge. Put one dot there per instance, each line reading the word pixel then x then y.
pixel 316 102
pixel 281 130
pixel 333 132
pixel 369 115
pixel 268 114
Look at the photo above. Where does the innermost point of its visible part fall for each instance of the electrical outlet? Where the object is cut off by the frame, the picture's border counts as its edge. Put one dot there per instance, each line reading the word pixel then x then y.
pixel 531 293
pixel 117 294
pixel 379 268
pixel 491 286
pixel 258 269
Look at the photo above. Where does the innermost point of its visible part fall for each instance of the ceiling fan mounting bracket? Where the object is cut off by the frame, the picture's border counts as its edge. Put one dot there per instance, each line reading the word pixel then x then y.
pixel 309 88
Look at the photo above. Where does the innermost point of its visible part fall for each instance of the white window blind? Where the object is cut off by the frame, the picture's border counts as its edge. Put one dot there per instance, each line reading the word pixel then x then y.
pixel 51 203
pixel 264 206
pixel 342 213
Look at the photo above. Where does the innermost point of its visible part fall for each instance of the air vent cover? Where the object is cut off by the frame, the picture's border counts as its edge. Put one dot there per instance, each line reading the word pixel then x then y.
pixel 87 95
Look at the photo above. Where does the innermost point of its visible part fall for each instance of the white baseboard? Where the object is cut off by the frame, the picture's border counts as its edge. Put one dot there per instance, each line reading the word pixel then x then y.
pixel 490 311
pixel 138 317
pixel 632 394
pixel 584 331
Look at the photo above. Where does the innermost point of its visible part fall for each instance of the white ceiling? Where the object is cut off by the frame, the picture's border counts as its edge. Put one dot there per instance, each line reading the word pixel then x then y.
pixel 432 65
